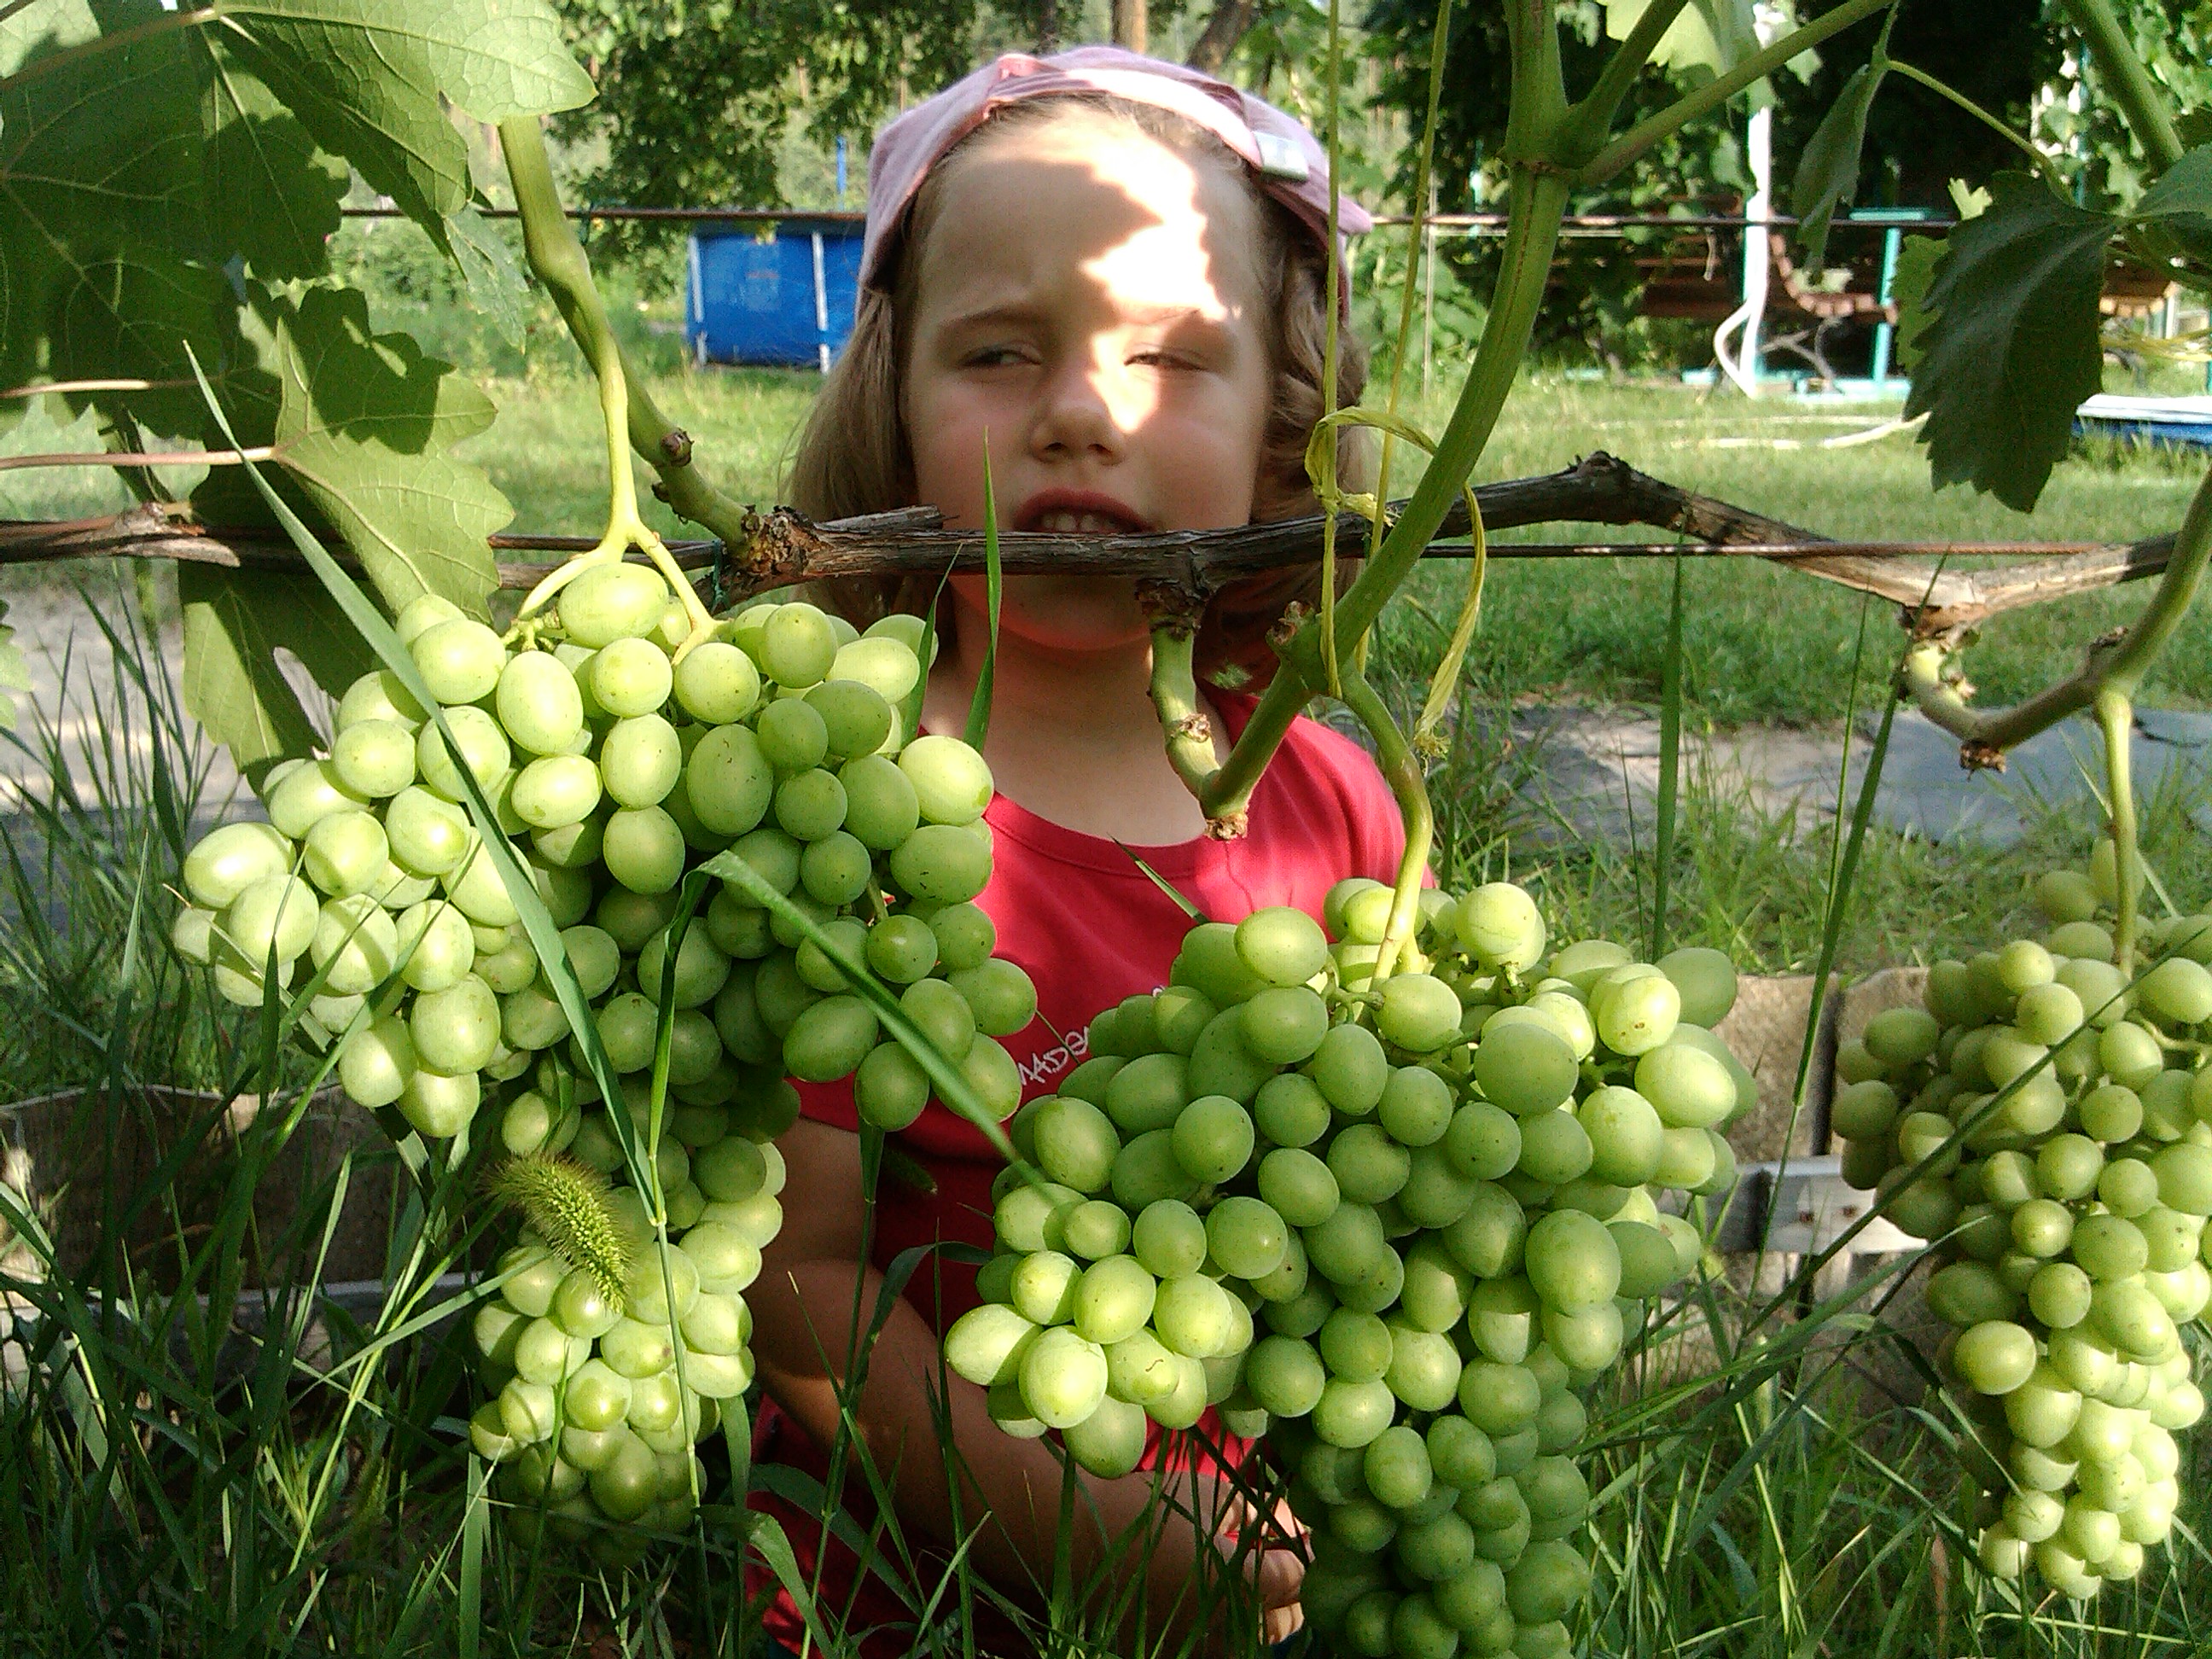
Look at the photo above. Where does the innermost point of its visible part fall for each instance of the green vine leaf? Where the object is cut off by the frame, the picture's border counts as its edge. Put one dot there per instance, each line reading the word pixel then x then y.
pixel 1828 171
pixel 14 672
pixel 1710 35
pixel 1916 268
pixel 2171 228
pixel 2012 348
pixel 235 622
pixel 497 287
pixel 364 427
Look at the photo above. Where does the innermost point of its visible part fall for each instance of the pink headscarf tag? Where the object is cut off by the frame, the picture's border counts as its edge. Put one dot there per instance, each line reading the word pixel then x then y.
pixel 1290 161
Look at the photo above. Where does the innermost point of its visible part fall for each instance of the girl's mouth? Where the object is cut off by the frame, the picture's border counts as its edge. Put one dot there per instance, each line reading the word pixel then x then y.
pixel 1077 512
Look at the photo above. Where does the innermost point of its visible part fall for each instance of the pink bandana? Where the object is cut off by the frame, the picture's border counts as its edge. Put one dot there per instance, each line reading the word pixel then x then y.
pixel 1291 165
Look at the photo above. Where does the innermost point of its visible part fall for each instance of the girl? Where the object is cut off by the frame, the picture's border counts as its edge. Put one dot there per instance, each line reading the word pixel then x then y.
pixel 1110 270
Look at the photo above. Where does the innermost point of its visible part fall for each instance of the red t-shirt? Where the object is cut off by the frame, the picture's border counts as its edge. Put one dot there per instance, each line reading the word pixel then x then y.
pixel 1089 928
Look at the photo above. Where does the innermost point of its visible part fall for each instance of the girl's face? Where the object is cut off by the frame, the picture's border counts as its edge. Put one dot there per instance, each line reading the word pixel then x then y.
pixel 1087 300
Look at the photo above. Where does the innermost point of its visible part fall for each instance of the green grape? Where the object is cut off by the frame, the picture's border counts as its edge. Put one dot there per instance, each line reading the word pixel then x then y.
pixel 374 759
pixel 1075 1142
pixel 1220 1064
pixel 613 602
pixel 1626 1133
pixel 455 1029
pixel 942 864
pixel 629 677
pixel 1685 1086
pixel 2109 1248
pixel 1043 1286
pixel 1096 1229
pixel 1110 1441
pixel 881 805
pixel 1291 1111
pixel 345 852
pixel 1555 1148
pixel 1419 1013
pixel 951 781
pixel 1148 1093
pixel 1281 946
pixel 1424 1368
pixel 1483 1141
pixel 1246 1237
pixel 1299 1186
pixel 555 790
pixel 1355 1345
pixel 1350 1069
pixel 1396 1468
pixel 1524 1068
pixel 830 1039
pixel 855 716
pixel 355 945
pixel 793 735
pixel 483 748
pixel 810 805
pixel 1706 980
pixel 1284 1375
pixel 641 760
pixel 1500 926
pixel 716 683
pixel 966 936
pixel 226 860
pixel 437 1104
pixel 1416 1108
pixel 902 949
pixel 1139 1369
pixel 538 703
pixel 1003 996
pixel 798 645
pixel 1352 1413
pixel 1192 1317
pixel 1636 1016
pixel 987 1345
pixel 1572 1261
pixel 729 780
pixel 887 665
pixel 1169 1239
pixel 1113 1299
pixel 305 794
pixel 1284 1025
pixel 644 849
pixel 459 660
pixel 2185 1178
pixel 375 1062
pixel 1995 1357
pixel 378 695
pixel 2128 1188
pixel 943 1015
pixel 1213 1137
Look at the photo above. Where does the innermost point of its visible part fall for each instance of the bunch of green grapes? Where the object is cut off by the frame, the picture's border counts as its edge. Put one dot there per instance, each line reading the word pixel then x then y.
pixel 614 769
pixel 2045 1121
pixel 1396 1229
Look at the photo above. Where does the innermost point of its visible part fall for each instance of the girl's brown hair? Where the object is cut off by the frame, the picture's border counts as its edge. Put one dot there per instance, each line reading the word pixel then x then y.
pixel 853 456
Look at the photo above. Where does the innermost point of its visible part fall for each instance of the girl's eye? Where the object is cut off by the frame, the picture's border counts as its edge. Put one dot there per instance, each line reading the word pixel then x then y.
pixel 994 357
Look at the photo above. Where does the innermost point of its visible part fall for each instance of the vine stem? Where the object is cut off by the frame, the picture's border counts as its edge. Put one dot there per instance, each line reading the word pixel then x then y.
pixel 1401 769
pixel 1538 202
pixel 2043 164
pixel 2133 90
pixel 1641 137
pixel 2116 715
pixel 1184 726
pixel 549 244
pixel 2116 665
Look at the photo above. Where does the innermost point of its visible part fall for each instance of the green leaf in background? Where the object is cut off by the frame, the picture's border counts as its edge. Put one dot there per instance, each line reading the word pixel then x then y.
pixel 1828 170
pixel 234 621
pixel 1908 289
pixel 14 672
pixel 496 286
pixel 364 429
pixel 1712 35
pixel 272 193
pixel 2012 349
pixel 2172 221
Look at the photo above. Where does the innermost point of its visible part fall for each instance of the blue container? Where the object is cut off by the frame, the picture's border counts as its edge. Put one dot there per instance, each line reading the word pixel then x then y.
pixel 786 299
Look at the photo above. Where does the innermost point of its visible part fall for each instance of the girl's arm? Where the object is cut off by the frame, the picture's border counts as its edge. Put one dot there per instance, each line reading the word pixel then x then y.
pixel 803 1324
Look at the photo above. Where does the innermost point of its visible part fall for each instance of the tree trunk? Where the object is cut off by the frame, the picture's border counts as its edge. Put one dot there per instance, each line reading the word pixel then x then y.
pixel 1048 34
pixel 1129 24
pixel 1223 31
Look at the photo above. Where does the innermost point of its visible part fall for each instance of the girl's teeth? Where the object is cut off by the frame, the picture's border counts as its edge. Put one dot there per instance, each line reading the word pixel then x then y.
pixel 1078 524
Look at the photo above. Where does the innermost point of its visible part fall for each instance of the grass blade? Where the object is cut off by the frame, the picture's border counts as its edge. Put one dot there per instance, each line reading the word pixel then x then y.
pixel 1670 763
pixel 979 706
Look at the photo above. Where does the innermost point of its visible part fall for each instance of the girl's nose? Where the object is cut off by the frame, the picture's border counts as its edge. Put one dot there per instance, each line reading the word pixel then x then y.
pixel 1078 416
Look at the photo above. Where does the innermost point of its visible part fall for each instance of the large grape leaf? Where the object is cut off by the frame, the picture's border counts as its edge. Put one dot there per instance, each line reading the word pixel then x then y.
pixel 235 622
pixel 363 425
pixel 2010 349
pixel 1828 170
pixel 365 77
